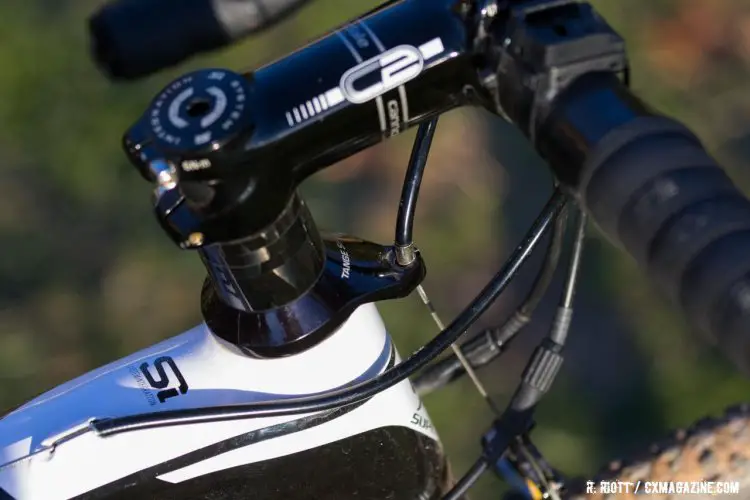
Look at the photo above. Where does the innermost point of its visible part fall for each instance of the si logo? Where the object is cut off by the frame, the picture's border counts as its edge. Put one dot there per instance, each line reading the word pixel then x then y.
pixel 162 379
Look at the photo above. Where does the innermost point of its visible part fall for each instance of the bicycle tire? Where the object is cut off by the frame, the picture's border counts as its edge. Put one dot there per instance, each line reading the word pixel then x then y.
pixel 711 449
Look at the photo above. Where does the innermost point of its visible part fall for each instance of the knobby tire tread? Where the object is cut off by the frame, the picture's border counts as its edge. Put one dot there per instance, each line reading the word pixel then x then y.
pixel 711 449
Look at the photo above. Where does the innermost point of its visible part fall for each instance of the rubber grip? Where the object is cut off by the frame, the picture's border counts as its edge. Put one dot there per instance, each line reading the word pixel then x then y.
pixel 134 38
pixel 651 186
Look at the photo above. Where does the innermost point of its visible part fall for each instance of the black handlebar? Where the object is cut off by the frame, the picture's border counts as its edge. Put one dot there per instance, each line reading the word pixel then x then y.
pixel 650 186
pixel 135 38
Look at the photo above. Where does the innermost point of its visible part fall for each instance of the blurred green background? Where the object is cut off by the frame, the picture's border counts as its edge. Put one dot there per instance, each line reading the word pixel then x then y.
pixel 86 276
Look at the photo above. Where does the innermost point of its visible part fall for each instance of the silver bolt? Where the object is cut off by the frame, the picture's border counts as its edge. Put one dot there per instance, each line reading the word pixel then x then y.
pixel 195 239
pixel 405 256
pixel 165 173
pixel 490 10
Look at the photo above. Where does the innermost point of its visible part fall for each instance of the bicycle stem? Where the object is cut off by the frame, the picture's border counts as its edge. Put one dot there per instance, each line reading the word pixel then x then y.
pixel 282 122
pixel 241 144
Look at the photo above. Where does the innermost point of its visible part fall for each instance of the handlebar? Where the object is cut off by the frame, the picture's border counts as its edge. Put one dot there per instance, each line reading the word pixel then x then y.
pixel 651 187
pixel 135 38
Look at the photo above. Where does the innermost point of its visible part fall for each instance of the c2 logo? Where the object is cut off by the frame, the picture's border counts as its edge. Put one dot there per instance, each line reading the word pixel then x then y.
pixel 390 70
pixel 163 381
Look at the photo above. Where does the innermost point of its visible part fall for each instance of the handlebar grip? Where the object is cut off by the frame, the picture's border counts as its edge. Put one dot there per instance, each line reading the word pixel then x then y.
pixel 650 185
pixel 135 38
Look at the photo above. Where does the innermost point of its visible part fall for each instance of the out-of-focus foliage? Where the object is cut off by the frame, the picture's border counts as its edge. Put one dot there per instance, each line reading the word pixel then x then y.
pixel 86 275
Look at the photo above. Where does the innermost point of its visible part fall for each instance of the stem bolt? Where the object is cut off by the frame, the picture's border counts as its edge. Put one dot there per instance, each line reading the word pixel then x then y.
pixel 195 239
